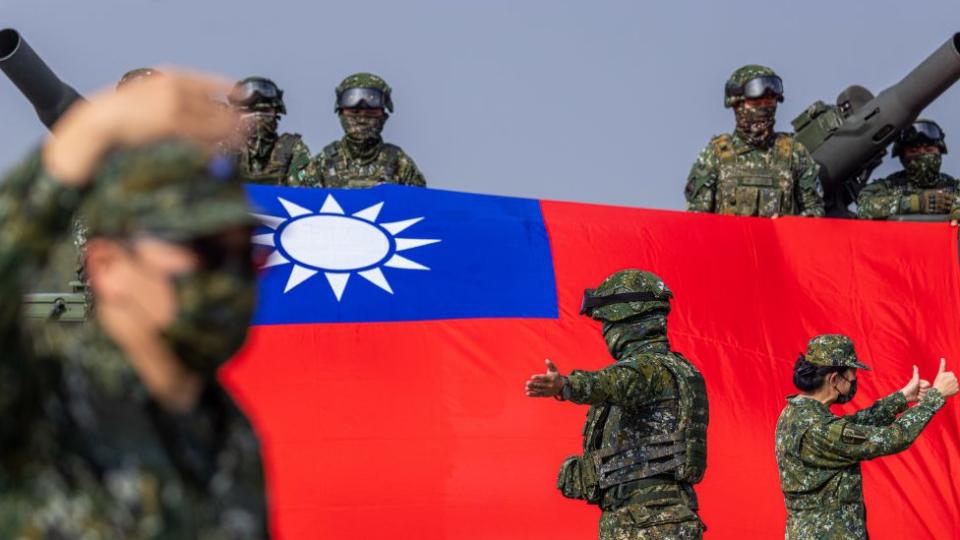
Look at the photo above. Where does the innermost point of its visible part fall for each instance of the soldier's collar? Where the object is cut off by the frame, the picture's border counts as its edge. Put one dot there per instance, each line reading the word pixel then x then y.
pixel 741 146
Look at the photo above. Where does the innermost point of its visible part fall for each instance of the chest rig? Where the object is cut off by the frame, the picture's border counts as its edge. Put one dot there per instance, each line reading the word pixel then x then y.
pixel 341 171
pixel 755 183
pixel 277 165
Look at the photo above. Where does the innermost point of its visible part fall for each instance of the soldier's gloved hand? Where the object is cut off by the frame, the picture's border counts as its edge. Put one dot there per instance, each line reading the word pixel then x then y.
pixel 549 384
pixel 946 381
pixel 934 201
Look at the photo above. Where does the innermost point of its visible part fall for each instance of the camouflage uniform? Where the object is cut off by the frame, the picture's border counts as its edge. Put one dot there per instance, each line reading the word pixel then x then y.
pixel 645 435
pixel 361 162
pixel 920 188
pixel 85 452
pixel 819 454
pixel 265 157
pixel 772 175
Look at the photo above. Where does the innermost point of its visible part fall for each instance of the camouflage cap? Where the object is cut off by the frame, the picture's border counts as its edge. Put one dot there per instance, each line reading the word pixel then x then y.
pixel 742 76
pixel 625 282
pixel 365 80
pixel 170 189
pixel 833 350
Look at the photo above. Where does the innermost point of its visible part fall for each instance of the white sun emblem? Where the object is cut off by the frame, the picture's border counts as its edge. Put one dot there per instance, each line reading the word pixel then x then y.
pixel 337 244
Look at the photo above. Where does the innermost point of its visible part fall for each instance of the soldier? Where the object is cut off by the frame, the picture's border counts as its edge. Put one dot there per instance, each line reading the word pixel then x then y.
pixel 265 157
pixel 645 439
pixel 819 454
pixel 920 188
pixel 361 159
pixel 755 171
pixel 118 428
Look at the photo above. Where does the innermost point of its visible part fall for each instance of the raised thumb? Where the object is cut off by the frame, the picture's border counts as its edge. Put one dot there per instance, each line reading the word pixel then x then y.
pixel 550 367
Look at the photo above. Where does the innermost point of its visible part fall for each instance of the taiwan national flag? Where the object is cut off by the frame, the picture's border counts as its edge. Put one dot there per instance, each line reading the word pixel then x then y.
pixel 397 326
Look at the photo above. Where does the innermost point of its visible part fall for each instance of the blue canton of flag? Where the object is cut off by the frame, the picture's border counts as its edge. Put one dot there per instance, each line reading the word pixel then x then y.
pixel 395 253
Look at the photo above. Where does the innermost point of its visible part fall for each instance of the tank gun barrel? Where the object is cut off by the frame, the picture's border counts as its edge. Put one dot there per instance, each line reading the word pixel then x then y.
pixel 50 96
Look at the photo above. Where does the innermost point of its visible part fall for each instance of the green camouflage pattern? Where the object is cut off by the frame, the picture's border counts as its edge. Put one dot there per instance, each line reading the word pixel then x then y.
pixel 278 163
pixel 742 76
pixel 628 281
pixel 84 451
pixel 340 165
pixel 819 455
pixel 636 398
pixel 731 176
pixel 899 194
pixel 833 350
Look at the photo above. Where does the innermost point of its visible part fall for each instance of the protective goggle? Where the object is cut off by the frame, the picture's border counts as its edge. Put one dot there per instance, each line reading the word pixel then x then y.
pixel 364 98
pixel 591 302
pixel 251 92
pixel 756 88
pixel 922 129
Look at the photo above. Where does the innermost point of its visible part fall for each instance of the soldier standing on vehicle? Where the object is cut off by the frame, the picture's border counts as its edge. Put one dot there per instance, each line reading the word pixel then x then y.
pixel 920 188
pixel 755 171
pixel 645 442
pixel 266 157
pixel 819 454
pixel 361 159
pixel 118 428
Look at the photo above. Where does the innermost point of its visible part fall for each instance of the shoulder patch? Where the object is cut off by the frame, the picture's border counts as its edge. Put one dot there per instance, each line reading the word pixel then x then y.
pixel 784 146
pixel 723 146
pixel 850 434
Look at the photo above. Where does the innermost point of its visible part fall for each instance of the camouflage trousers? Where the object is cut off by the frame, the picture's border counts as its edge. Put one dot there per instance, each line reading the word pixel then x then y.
pixel 846 523
pixel 638 523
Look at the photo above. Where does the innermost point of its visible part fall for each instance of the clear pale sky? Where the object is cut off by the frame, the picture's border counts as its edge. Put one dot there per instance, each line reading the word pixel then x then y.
pixel 605 101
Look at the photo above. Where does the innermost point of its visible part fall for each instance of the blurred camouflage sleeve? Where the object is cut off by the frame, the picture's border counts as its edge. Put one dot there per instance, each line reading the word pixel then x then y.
pixel 809 190
pixel 622 384
pixel 298 163
pixel 701 187
pixel 35 211
pixel 877 201
pixel 882 413
pixel 408 173
pixel 842 443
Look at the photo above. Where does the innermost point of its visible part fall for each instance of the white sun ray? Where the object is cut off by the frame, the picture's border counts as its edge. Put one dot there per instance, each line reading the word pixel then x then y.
pixel 338 282
pixel 270 221
pixel 275 259
pixel 298 276
pixel 264 239
pixel 397 227
pixel 331 206
pixel 370 214
pixel 375 276
pixel 404 263
pixel 294 209
pixel 404 244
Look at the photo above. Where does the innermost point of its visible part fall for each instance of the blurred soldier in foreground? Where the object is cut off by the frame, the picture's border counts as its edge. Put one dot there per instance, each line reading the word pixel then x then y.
pixel 361 159
pixel 118 428
pixel 266 157
pixel 819 454
pixel 644 443
pixel 920 188
pixel 755 171
pixel 137 75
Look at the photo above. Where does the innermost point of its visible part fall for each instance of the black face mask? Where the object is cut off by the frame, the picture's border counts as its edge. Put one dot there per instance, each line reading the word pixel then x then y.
pixel 845 398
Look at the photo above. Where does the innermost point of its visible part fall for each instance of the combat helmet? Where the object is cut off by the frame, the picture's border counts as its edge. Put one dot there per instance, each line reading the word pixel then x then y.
pixel 751 81
pixel 626 294
pixel 257 94
pixel 921 132
pixel 364 91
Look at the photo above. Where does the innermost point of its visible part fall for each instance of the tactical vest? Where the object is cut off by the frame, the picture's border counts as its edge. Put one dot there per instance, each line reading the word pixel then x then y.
pixel 680 455
pixel 755 187
pixel 277 167
pixel 339 171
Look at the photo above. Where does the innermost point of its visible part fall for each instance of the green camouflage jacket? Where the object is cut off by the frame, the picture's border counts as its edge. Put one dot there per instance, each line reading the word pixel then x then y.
pixel 635 398
pixel 819 457
pixel 336 167
pixel 896 195
pixel 288 156
pixel 731 176
pixel 84 451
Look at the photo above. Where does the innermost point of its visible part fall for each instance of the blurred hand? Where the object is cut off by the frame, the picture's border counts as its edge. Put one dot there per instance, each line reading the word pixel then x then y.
pixel 912 391
pixel 946 381
pixel 547 385
pixel 177 105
